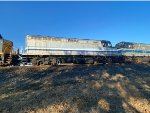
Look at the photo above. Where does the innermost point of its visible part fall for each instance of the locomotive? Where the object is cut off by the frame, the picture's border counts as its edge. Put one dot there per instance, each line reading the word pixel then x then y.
pixel 49 50
pixel 7 53
pixel 134 52
pixel 46 50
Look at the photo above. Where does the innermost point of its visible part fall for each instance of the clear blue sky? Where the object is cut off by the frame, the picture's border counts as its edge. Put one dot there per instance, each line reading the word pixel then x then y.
pixel 114 21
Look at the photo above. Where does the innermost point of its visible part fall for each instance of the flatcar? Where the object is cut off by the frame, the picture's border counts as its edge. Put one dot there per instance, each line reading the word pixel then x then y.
pixel 46 50
pixel 134 52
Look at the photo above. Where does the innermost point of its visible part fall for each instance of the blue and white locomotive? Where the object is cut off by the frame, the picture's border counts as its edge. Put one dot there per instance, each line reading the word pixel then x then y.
pixel 137 52
pixel 42 50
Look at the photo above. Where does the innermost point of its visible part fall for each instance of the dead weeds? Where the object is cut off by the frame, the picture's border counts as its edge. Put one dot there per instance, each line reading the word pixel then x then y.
pixel 76 89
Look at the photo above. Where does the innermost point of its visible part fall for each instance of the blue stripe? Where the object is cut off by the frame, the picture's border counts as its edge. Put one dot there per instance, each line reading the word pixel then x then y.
pixel 76 50
pixel 134 51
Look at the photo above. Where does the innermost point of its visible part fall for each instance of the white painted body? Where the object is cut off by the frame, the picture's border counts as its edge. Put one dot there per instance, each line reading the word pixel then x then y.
pixel 38 45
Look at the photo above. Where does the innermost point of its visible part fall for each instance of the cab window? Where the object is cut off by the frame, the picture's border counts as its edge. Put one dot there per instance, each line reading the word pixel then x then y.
pixel 106 44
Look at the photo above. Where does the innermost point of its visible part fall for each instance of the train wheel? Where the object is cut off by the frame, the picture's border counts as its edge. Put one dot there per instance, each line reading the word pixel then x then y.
pixel 109 61
pixel 54 61
pixel 58 61
pixel 95 63
pixel 34 62
pixel 89 61
pixel 62 60
pixel 137 60
pixel 39 63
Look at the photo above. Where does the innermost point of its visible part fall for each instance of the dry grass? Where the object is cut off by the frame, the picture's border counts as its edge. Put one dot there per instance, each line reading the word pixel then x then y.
pixel 76 89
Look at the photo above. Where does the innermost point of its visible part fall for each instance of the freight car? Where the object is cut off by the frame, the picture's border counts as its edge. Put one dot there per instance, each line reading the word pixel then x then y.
pixel 46 50
pixel 134 52
pixel 7 54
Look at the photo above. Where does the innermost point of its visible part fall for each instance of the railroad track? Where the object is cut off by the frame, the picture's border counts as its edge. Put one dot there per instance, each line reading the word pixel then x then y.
pixel 64 64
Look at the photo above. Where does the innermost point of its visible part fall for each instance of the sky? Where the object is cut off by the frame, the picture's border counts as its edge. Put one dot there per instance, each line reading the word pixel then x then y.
pixel 113 21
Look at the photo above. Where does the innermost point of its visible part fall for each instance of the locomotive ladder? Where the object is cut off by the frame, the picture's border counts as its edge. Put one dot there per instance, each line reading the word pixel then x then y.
pixel 8 59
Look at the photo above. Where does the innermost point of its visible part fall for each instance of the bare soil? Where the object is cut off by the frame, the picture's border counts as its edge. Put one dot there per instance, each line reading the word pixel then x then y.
pixel 76 89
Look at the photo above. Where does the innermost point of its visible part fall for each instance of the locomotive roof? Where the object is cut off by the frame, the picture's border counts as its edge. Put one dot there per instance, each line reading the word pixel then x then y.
pixel 39 36
pixel 4 38
pixel 132 43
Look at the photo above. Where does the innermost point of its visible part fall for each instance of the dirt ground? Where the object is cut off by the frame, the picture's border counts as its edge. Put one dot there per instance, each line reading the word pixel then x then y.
pixel 76 89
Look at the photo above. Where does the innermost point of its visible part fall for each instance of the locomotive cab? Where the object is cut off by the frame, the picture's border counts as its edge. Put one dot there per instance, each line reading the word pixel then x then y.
pixel 106 43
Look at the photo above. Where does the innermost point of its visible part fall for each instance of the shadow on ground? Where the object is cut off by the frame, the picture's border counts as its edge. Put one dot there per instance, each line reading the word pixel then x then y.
pixel 81 88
